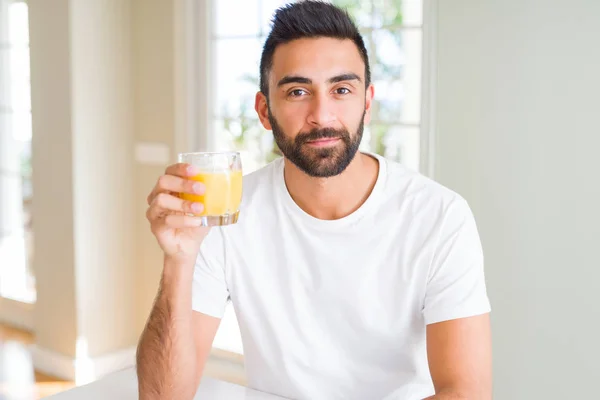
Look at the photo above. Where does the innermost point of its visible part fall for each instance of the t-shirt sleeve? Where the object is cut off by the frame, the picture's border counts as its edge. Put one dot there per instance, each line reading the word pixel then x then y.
pixel 209 287
pixel 456 282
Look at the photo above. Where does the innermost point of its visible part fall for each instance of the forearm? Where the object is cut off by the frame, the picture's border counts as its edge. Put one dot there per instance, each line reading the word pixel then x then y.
pixel 448 395
pixel 455 394
pixel 166 358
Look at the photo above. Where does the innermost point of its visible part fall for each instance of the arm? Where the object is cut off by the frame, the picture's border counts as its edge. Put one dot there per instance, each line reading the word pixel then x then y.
pixel 460 354
pixel 456 311
pixel 176 341
pixel 167 366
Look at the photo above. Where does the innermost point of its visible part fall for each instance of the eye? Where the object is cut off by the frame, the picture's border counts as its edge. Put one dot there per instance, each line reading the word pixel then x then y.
pixel 297 93
pixel 342 90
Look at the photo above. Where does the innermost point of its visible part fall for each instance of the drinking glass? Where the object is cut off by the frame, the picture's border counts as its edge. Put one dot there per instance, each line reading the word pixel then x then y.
pixel 221 174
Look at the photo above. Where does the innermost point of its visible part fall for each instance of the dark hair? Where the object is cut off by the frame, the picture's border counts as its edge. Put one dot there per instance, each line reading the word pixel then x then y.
pixel 309 19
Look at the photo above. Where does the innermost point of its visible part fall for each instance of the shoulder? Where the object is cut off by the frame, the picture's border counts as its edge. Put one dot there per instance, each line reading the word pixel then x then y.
pixel 421 204
pixel 405 184
pixel 260 194
pixel 262 178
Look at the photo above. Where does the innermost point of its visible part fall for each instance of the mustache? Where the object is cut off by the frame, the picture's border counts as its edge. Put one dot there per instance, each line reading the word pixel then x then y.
pixel 325 133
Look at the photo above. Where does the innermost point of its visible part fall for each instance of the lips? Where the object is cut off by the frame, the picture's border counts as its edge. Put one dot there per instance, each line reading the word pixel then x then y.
pixel 323 141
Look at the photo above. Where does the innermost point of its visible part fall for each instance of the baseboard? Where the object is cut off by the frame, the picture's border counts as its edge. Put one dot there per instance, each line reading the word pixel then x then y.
pixel 16 314
pixel 226 366
pixel 54 364
pixel 84 370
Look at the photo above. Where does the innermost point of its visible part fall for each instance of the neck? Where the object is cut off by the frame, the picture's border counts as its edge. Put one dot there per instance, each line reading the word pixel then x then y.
pixel 337 196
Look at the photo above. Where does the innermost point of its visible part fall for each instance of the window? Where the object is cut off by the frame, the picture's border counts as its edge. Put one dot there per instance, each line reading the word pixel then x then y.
pixel 16 278
pixel 393 32
pixel 240 36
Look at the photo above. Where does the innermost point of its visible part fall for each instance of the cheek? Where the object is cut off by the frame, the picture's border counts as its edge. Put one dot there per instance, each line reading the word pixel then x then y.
pixel 292 118
pixel 349 113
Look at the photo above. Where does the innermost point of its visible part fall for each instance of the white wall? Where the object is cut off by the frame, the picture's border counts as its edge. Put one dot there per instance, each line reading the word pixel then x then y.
pixel 518 134
pixel 154 119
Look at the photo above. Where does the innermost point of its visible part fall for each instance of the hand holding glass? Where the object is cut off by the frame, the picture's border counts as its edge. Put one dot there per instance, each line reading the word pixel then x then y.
pixel 221 174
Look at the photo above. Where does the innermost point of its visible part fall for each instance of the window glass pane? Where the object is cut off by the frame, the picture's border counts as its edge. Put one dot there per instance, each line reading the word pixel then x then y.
pixel 361 11
pixel 378 13
pixel 398 12
pixel 16 241
pixel 267 9
pixel 236 82
pixel 18 30
pixel 249 137
pixel 396 70
pixel 237 18
pixel 19 62
pixel 21 128
pixel 389 101
pixel 394 50
pixel 398 143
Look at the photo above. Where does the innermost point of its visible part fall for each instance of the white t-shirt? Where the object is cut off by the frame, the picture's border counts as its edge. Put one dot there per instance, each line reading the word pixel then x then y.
pixel 338 309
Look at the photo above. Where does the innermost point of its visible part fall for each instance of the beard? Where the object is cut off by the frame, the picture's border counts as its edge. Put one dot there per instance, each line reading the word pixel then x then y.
pixel 318 162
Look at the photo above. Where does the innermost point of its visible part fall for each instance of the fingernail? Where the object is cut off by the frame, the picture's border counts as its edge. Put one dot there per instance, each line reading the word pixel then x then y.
pixel 197 207
pixel 198 188
pixel 192 170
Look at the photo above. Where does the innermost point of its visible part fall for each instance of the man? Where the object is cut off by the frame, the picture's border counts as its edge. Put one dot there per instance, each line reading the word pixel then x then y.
pixel 351 276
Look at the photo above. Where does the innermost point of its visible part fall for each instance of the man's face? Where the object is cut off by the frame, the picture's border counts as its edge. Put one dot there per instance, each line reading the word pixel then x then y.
pixel 317 103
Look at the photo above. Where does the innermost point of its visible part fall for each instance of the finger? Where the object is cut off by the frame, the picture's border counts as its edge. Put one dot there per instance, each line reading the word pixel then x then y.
pixel 167 202
pixel 182 221
pixel 171 183
pixel 182 170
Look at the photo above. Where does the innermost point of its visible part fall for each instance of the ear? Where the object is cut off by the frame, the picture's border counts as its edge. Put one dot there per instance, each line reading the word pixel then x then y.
pixel 262 109
pixel 369 94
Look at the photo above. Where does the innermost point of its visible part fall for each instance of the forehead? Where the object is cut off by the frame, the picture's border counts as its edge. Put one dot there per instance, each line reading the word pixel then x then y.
pixel 316 58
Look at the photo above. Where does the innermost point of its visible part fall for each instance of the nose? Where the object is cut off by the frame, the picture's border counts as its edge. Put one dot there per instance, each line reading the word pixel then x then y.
pixel 321 113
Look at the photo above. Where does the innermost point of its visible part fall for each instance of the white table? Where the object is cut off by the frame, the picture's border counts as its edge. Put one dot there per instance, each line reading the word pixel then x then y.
pixel 122 385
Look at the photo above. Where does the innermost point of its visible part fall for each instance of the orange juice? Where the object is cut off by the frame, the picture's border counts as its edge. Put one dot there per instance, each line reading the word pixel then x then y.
pixel 223 193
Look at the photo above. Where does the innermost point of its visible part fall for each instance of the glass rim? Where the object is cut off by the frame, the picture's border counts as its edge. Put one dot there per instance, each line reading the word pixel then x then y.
pixel 211 153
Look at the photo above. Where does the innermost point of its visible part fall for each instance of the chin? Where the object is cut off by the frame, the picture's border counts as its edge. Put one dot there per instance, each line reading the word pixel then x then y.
pixel 324 168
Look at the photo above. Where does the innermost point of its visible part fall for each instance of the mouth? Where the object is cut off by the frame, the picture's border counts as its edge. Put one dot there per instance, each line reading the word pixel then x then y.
pixel 324 142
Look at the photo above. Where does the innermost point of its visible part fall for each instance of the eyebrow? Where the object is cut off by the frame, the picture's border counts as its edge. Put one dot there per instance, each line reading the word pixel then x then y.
pixel 293 79
pixel 301 79
pixel 344 77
